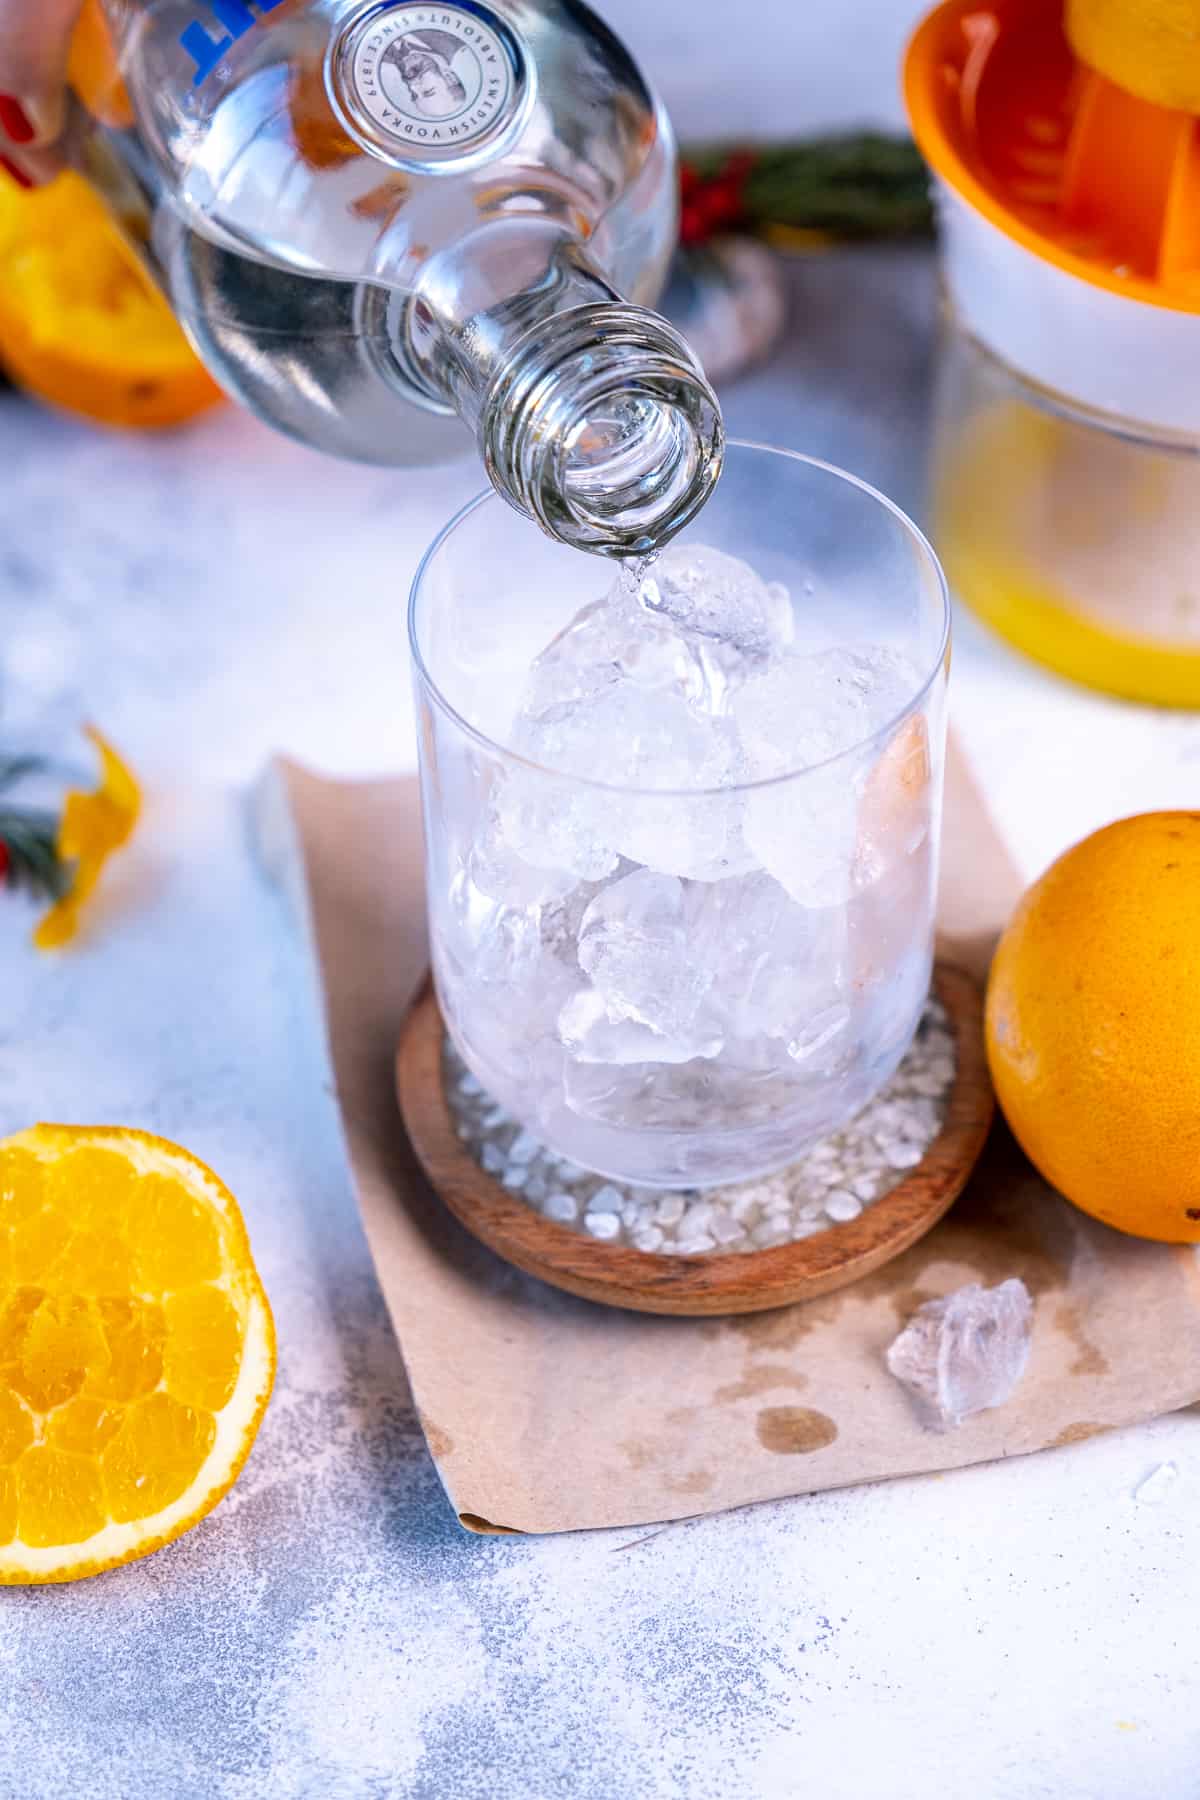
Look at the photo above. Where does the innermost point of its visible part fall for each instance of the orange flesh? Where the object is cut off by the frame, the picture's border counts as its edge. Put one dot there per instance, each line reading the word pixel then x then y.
pixel 121 1339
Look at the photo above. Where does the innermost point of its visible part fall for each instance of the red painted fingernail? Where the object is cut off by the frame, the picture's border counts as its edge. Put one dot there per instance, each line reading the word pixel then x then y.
pixel 14 120
pixel 18 174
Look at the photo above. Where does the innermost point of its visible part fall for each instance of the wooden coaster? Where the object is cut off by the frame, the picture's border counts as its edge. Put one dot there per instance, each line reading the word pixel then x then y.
pixel 736 1282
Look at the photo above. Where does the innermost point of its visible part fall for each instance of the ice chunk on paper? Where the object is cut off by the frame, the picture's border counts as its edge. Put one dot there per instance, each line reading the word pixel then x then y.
pixel 965 1353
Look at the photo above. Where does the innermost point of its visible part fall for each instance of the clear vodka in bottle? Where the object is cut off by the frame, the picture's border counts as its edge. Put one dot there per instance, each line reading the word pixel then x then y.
pixel 379 223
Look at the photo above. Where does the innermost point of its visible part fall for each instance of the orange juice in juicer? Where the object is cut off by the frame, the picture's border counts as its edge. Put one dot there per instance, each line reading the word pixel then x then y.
pixel 1065 147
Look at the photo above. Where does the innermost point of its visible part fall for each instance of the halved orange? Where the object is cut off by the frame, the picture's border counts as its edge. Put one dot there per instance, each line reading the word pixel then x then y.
pixel 81 323
pixel 137 1348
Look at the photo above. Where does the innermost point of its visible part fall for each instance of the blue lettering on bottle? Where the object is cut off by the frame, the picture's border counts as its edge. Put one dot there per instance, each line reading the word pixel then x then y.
pixel 237 17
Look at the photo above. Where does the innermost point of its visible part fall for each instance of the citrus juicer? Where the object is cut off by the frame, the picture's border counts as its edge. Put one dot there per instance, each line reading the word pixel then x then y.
pixel 1065 148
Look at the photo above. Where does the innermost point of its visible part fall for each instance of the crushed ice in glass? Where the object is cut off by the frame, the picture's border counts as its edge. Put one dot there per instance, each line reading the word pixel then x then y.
pixel 965 1353
pixel 652 926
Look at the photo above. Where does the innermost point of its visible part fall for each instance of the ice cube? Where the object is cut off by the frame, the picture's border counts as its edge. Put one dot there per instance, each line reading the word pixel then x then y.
pixel 779 970
pixel 965 1353
pixel 621 744
pixel 500 976
pixel 498 871
pixel 709 594
pixel 591 1036
pixel 608 642
pixel 792 720
pixel 631 706
pixel 895 814
pixel 499 943
pixel 633 943
pixel 549 824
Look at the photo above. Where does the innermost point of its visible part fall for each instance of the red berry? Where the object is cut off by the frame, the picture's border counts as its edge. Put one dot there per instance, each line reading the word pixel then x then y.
pixel 5 860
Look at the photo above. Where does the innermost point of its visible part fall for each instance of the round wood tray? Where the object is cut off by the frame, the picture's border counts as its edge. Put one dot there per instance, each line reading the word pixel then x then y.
pixel 737 1282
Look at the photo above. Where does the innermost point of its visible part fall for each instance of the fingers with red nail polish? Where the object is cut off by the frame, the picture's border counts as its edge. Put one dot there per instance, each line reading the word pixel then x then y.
pixel 15 172
pixel 15 122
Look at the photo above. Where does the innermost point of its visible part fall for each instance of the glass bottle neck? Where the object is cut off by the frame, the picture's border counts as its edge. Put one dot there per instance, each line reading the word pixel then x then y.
pixel 591 414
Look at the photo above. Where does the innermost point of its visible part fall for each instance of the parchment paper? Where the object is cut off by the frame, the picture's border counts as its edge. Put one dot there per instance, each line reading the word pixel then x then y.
pixel 546 1413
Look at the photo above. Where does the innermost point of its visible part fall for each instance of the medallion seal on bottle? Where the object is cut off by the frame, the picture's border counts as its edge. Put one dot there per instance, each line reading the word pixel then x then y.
pixel 429 84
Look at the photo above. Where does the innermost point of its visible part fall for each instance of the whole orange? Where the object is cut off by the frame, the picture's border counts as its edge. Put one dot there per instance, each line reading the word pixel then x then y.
pixel 1093 1025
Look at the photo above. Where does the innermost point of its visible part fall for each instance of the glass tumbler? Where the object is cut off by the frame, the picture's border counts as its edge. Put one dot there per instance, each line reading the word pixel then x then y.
pixel 681 877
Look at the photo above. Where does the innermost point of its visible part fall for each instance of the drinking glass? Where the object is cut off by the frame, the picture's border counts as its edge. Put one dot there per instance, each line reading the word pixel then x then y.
pixel 686 978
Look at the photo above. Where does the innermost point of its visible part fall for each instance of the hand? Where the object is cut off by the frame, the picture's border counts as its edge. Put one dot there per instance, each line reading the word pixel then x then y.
pixel 35 39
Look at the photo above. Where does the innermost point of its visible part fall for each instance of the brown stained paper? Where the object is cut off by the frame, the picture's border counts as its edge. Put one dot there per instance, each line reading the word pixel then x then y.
pixel 546 1413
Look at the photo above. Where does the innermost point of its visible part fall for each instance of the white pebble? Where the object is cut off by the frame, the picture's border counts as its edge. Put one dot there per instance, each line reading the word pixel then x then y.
pixel 830 1184
pixel 606 1199
pixel 523 1148
pixel 724 1228
pixel 563 1207
pixel 903 1156
pixel 927 1084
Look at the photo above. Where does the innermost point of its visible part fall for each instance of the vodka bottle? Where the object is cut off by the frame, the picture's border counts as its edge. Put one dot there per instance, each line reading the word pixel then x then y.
pixel 380 222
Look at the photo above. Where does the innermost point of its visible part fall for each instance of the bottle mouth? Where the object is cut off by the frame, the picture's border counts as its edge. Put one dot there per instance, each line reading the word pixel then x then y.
pixel 603 428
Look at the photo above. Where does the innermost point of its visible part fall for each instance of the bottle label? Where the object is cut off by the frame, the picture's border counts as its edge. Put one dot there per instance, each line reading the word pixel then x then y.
pixel 428 82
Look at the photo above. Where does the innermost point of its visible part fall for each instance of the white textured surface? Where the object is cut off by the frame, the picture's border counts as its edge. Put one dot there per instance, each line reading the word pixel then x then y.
pixel 1009 1632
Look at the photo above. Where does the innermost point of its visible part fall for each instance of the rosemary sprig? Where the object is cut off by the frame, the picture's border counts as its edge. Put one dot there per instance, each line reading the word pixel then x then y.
pixel 30 839
pixel 859 185
pixel 29 856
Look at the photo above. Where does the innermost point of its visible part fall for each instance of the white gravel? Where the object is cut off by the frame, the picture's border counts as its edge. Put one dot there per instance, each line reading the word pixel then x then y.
pixel 834 1183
